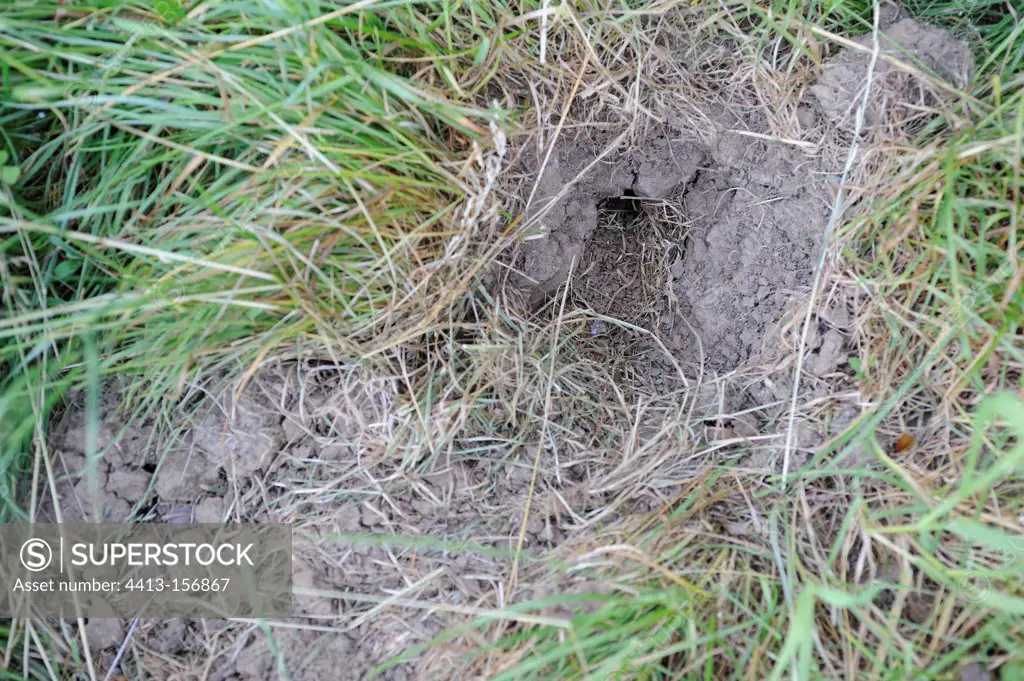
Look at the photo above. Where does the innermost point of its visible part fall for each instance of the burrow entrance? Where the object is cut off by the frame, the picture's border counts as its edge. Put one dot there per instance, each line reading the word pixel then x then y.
pixel 701 244
pixel 624 259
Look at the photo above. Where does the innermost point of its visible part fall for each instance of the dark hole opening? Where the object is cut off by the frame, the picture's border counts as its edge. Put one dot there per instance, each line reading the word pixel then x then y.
pixel 621 211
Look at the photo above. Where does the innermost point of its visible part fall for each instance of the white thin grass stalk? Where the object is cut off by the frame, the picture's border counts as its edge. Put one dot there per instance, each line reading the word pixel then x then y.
pixel 837 211
pixel 486 613
pixel 393 598
pixel 121 649
pixel 513 574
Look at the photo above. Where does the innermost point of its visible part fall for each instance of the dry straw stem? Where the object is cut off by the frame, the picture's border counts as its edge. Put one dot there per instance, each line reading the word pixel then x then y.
pixel 838 208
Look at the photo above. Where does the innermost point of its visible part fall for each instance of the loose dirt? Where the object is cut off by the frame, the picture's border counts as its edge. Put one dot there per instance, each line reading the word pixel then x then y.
pixel 903 99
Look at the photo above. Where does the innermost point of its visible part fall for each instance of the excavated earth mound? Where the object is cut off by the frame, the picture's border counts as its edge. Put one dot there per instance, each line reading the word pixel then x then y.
pixel 704 237
pixel 736 224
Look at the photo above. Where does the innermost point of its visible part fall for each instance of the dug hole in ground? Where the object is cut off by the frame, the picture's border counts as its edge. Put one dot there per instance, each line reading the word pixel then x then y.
pixel 641 331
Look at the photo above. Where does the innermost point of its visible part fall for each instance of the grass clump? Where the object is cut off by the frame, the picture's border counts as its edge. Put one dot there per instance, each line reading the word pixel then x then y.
pixel 194 194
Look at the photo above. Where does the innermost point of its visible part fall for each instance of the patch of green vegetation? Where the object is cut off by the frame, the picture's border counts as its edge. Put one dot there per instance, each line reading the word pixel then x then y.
pixel 193 192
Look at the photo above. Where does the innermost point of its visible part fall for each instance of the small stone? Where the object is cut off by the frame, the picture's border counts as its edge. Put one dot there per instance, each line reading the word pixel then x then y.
pixel 104 632
pixel 210 510
pixel 805 116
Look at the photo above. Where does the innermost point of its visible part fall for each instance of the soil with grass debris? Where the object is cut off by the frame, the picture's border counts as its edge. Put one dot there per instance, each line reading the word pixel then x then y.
pixel 290 446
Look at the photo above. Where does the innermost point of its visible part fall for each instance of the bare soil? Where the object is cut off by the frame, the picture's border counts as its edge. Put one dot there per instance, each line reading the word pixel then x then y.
pixel 726 236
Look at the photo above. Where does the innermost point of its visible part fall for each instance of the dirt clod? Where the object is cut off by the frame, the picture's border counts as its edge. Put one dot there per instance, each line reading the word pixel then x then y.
pixel 210 510
pixel 184 472
pixel 830 354
pixel 104 632
pixel 897 92
pixel 242 436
